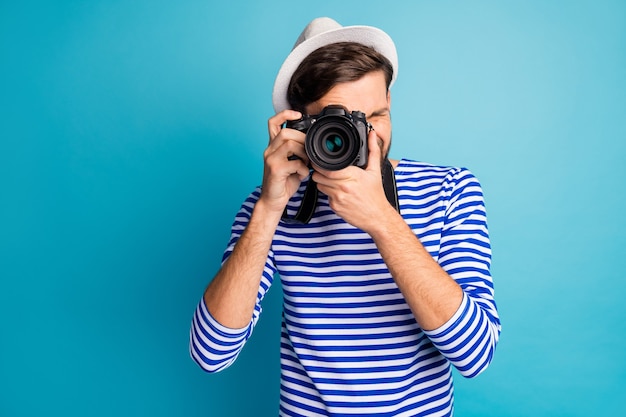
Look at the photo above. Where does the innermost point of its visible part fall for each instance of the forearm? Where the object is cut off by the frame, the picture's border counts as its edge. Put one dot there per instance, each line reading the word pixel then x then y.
pixel 433 296
pixel 462 323
pixel 231 296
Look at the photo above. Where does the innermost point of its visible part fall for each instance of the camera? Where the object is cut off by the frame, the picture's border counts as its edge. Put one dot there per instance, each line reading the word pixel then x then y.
pixel 335 138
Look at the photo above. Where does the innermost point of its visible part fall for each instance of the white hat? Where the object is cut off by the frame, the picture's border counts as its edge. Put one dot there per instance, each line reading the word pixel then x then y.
pixel 325 31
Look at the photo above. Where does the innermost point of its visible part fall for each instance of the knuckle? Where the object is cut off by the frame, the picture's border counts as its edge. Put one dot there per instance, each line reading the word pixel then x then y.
pixel 345 188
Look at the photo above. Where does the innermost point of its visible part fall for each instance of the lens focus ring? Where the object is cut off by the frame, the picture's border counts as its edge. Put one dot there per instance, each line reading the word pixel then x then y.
pixel 332 143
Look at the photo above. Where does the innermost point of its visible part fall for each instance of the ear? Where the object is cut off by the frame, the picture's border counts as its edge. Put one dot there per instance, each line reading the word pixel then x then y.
pixel 389 99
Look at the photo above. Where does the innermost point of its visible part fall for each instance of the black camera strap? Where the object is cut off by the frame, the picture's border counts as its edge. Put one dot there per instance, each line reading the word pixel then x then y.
pixel 307 206
pixel 389 184
pixel 309 199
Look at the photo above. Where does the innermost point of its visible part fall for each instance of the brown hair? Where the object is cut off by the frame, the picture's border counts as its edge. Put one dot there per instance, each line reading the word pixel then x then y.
pixel 332 64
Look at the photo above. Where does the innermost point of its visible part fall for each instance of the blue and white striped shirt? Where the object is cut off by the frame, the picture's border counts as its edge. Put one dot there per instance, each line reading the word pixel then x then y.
pixel 349 342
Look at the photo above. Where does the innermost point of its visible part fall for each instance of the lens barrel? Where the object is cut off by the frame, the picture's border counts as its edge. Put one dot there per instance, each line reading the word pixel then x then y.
pixel 333 143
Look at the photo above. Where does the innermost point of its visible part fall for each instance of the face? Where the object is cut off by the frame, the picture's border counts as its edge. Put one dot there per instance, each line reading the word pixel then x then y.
pixel 369 95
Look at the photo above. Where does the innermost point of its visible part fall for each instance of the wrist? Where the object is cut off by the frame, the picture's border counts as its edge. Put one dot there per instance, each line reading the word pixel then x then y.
pixel 268 215
pixel 387 225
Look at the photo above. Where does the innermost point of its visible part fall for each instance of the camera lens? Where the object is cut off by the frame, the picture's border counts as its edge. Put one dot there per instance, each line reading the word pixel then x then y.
pixel 332 143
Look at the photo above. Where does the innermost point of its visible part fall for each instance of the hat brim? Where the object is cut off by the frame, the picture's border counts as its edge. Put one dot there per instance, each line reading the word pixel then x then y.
pixel 366 35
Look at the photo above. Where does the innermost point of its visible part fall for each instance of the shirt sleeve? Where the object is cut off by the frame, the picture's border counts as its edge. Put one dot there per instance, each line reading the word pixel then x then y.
pixel 215 347
pixel 469 338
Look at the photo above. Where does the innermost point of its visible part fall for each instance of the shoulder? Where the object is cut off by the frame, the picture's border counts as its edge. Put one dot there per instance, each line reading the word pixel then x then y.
pixel 445 183
pixel 248 204
pixel 410 170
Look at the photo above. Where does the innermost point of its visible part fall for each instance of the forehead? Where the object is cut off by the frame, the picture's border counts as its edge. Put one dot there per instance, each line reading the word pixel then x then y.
pixel 367 94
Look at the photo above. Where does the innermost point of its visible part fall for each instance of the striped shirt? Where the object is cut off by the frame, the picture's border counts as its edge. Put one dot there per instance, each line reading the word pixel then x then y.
pixel 350 345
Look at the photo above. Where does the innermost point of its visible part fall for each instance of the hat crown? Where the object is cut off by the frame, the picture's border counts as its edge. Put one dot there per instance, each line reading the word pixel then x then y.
pixel 316 27
pixel 321 32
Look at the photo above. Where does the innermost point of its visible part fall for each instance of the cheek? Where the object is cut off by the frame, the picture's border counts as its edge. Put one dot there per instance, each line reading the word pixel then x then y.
pixel 384 144
pixel 383 131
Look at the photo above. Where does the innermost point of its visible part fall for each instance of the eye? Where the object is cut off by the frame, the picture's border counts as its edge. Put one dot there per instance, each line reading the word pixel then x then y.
pixel 378 115
pixel 378 118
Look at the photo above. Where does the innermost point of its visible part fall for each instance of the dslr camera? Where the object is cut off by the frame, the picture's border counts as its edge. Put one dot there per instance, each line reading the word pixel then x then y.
pixel 335 138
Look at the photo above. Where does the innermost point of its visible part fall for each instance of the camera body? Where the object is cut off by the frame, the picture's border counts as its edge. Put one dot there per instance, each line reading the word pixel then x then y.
pixel 335 138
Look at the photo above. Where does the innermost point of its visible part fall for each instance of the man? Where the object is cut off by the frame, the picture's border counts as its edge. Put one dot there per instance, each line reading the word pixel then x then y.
pixel 386 283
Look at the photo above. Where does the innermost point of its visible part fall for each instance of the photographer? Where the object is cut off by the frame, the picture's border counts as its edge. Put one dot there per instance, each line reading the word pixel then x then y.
pixel 384 263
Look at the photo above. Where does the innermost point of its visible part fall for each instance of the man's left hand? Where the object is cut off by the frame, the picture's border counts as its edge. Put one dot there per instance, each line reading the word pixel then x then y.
pixel 356 194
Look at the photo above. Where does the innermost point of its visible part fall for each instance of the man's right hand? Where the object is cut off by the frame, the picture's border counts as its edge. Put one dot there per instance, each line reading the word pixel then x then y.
pixel 282 174
pixel 232 294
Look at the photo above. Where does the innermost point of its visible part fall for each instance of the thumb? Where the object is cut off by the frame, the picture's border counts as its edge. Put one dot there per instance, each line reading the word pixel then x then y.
pixel 373 159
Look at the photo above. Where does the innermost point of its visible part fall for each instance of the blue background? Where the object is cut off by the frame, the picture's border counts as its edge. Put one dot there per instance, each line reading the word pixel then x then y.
pixel 130 132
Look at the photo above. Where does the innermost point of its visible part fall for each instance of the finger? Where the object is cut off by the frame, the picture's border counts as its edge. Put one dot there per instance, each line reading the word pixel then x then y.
pixel 302 170
pixel 373 160
pixel 287 149
pixel 286 135
pixel 275 123
pixel 333 174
